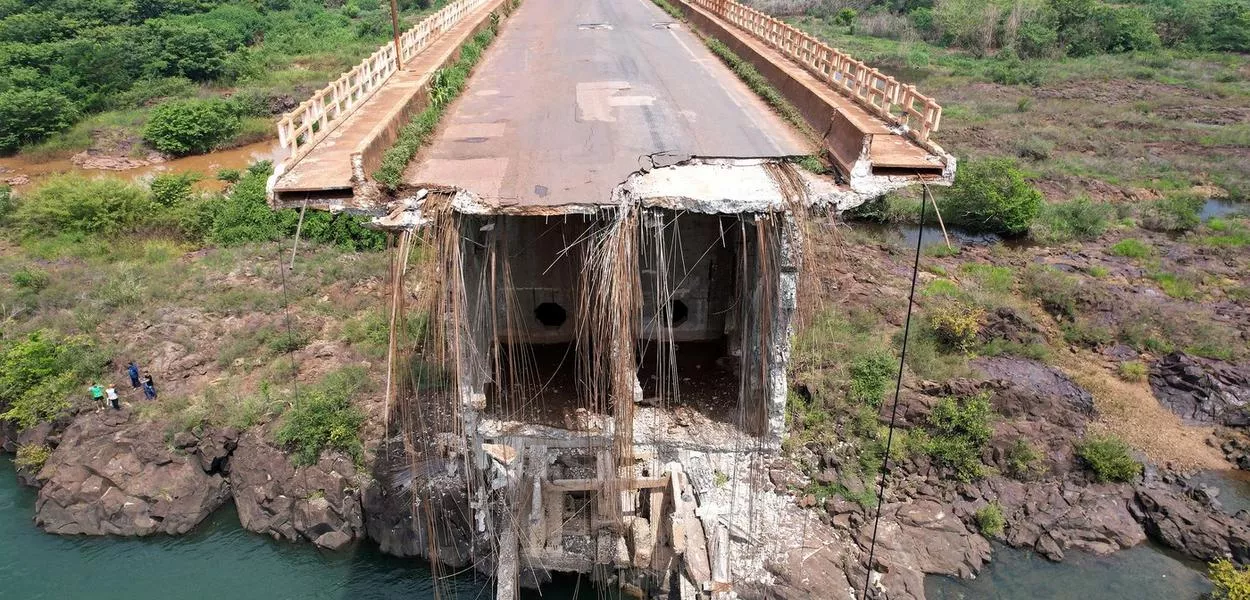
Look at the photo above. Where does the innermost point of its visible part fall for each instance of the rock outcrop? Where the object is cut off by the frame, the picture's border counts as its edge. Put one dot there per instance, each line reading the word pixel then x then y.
pixel 1203 390
pixel 1054 516
pixel 319 503
pixel 403 526
pixel 109 476
pixel 1182 522
pixel 920 538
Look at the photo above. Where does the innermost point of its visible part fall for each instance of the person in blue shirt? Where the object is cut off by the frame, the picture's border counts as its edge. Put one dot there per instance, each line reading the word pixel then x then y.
pixel 133 371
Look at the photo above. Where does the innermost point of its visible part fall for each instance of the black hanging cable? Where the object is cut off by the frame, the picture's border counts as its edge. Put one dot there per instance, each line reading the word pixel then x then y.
pixel 898 386
pixel 290 333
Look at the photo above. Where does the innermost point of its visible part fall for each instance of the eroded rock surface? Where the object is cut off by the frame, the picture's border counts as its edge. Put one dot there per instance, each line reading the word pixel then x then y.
pixel 402 526
pixel 319 503
pixel 112 477
pixel 1184 523
pixel 920 538
pixel 1203 390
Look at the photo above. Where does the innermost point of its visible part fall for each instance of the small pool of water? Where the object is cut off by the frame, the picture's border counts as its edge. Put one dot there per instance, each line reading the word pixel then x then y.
pixel 1142 573
pixel 1218 207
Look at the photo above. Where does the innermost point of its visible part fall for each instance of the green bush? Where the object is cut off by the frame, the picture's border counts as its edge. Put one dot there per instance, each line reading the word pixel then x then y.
pixel 39 373
pixel 956 324
pixel 1132 248
pixel 1108 457
pixel 1008 69
pixel 31 457
pixel 28 116
pixel 1231 582
pixel 870 377
pixel 324 418
pixel 991 195
pixel 1175 213
pixel 30 279
pixel 1128 29
pixel 1079 219
pixel 172 190
pixel 243 215
pixel 184 127
pixel 990 519
pixel 76 204
pixel 1024 462
pixel 959 429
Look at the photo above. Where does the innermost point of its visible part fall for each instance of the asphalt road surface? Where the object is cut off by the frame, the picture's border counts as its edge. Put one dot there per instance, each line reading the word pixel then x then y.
pixel 573 96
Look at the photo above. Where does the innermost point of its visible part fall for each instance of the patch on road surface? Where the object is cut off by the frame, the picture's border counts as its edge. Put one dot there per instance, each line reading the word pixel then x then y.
pixel 666 25
pixel 590 26
pixel 596 99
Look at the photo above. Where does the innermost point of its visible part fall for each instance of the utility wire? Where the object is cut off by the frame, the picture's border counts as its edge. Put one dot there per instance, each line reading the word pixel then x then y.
pixel 898 386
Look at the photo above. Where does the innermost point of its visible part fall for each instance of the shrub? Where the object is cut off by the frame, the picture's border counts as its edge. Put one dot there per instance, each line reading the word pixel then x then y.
pixel 28 116
pixel 75 204
pixel 1128 29
pixel 185 127
pixel 1108 457
pixel 1023 460
pixel 172 189
pixel 325 418
pixel 991 195
pixel 31 457
pixel 1034 147
pixel 1008 69
pixel 30 279
pixel 286 342
pixel 990 519
pixel 229 175
pixel 1231 582
pixel 1175 213
pixel 38 374
pixel 870 377
pixel 956 324
pixel 1132 370
pixel 1058 292
pixel 1132 248
pixel 959 430
pixel 243 215
pixel 1079 219
pixel 1035 39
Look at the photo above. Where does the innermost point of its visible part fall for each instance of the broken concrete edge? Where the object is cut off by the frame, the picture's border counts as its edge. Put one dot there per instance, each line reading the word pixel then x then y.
pixel 853 159
pixel 707 185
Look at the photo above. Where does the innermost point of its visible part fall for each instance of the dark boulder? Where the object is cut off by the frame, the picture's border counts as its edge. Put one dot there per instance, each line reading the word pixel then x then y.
pixel 1203 390
pixel 407 504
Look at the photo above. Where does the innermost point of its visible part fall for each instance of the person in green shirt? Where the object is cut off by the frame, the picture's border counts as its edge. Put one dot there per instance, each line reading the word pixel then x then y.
pixel 97 394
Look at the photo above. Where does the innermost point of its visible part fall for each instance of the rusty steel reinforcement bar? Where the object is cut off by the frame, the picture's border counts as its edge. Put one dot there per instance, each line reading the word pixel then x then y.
pixel 877 92
pixel 310 122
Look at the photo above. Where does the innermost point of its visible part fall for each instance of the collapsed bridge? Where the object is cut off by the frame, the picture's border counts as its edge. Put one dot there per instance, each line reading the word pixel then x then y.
pixel 604 243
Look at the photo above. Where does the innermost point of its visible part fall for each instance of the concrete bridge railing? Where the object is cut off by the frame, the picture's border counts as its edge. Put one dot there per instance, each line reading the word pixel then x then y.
pixel 877 92
pixel 310 122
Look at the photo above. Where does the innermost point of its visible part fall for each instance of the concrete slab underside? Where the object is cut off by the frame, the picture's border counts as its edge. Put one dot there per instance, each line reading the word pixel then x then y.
pixel 573 96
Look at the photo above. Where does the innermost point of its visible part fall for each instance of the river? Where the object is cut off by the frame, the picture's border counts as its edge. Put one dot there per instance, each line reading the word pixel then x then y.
pixel 217 560
pixel 221 560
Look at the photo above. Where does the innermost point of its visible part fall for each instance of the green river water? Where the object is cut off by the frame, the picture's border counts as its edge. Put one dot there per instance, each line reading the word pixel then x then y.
pixel 221 560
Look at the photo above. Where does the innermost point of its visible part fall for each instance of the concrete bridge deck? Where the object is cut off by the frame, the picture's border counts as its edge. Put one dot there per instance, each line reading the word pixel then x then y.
pixel 574 96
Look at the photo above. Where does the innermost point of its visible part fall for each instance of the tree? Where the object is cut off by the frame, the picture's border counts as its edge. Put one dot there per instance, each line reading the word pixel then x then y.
pixel 1230 26
pixel 191 126
pixel 187 50
pixel 27 116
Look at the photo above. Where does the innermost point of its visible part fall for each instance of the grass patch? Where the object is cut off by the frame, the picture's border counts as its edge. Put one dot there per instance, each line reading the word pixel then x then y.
pixel 1181 287
pixel 1079 219
pixel 1132 248
pixel 958 429
pixel 1132 370
pixel 445 86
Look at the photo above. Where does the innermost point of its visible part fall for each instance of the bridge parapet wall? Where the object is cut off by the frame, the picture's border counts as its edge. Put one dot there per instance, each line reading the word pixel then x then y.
pixel 877 92
pixel 310 122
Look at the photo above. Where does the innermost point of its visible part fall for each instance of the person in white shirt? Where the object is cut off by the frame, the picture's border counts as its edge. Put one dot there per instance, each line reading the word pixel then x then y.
pixel 111 394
